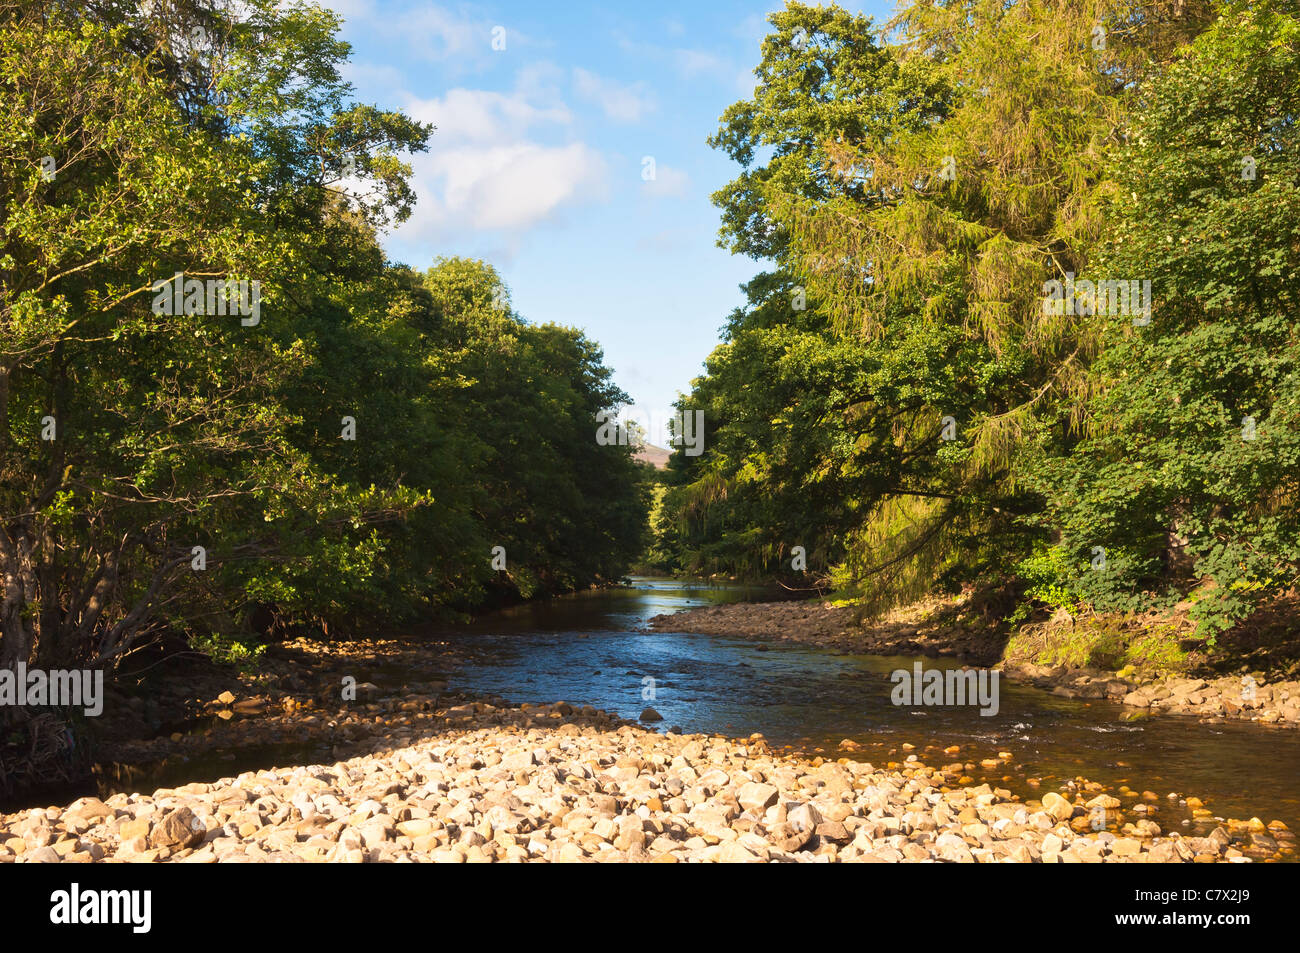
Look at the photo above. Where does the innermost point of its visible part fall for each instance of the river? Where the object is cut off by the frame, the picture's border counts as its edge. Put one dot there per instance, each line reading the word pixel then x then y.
pixel 594 649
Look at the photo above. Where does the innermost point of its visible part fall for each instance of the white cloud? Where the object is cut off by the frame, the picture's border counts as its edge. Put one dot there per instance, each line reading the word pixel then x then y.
pixel 619 102
pixel 490 166
pixel 484 116
pixel 498 163
pixel 511 187
pixel 456 38
pixel 351 9
pixel 371 80
pixel 668 182
pixel 441 35
pixel 697 62
pixel 689 62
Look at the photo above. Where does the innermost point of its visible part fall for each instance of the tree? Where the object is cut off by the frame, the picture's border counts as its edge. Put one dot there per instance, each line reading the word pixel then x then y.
pixel 1189 470
pixel 122 430
pixel 787 460
pixel 147 452
pixel 921 190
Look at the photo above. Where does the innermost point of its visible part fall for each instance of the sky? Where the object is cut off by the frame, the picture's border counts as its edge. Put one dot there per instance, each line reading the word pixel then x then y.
pixel 550 116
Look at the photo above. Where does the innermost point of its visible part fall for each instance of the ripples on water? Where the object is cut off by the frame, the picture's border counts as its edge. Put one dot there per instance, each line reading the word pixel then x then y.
pixel 593 649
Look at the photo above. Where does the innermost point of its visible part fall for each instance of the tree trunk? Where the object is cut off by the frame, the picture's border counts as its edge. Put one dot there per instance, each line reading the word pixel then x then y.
pixel 16 636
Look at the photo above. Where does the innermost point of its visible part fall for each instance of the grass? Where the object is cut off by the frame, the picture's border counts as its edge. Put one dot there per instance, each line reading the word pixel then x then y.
pixel 1130 647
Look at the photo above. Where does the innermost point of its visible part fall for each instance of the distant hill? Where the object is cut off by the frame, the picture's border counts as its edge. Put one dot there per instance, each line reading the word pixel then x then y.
pixel 657 457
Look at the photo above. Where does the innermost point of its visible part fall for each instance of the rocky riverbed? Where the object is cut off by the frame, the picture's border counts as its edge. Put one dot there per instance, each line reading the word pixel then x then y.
pixel 1255 696
pixel 553 783
pixel 823 624
pixel 1251 698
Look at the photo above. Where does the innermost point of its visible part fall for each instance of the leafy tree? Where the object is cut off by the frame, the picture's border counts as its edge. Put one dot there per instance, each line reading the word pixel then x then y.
pixel 787 461
pixel 122 431
pixel 917 192
pixel 218 140
pixel 1189 472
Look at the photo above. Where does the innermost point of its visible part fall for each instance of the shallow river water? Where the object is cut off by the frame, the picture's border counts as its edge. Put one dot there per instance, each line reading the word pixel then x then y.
pixel 594 649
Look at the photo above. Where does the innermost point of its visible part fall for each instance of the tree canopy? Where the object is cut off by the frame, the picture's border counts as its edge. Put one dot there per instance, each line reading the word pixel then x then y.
pixel 943 380
pixel 318 438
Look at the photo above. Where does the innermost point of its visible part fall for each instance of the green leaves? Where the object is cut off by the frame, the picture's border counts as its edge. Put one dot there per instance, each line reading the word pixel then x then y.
pixel 1193 442
pixel 229 149
pixel 918 192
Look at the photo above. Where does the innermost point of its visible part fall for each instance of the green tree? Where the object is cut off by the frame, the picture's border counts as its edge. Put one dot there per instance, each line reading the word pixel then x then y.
pixel 122 431
pixel 920 190
pixel 1190 466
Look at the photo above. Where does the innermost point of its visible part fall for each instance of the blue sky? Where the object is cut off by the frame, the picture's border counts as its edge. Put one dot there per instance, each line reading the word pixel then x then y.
pixel 537 162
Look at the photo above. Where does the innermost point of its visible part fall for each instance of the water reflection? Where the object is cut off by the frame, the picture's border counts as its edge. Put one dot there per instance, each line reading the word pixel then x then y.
pixel 595 650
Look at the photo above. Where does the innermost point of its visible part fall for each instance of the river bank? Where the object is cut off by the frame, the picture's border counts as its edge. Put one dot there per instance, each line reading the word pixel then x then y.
pixel 556 784
pixel 344 716
pixel 1260 696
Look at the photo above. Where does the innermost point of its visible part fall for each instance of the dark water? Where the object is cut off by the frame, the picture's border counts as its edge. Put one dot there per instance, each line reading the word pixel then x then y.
pixel 594 649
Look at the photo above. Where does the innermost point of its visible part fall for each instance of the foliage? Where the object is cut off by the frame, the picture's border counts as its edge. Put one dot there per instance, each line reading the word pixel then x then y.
pixel 1192 456
pixel 196 471
pixel 917 188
